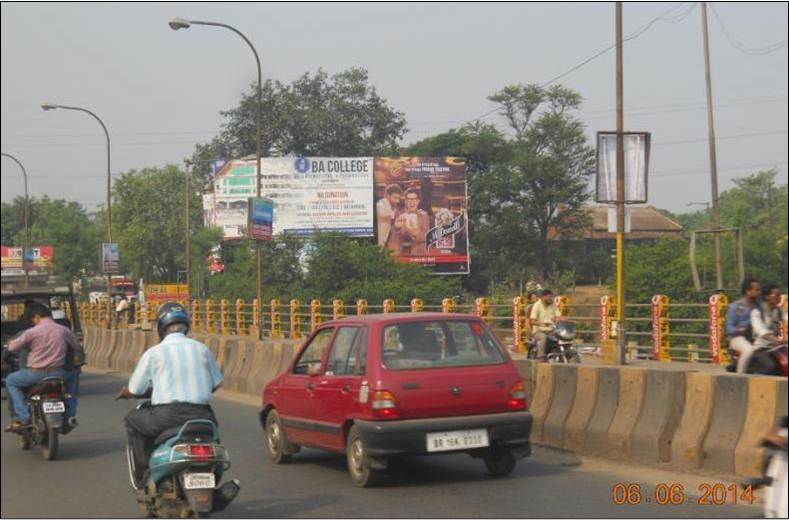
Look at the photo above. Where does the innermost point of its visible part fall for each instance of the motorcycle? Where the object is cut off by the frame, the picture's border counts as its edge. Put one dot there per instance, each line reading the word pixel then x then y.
pixel 46 401
pixel 768 361
pixel 184 470
pixel 560 345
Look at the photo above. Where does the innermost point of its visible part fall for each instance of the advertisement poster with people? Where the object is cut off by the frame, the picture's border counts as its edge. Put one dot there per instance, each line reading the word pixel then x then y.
pixel 420 205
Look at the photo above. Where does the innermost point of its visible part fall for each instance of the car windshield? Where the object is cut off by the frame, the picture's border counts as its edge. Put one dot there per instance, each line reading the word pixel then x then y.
pixel 439 344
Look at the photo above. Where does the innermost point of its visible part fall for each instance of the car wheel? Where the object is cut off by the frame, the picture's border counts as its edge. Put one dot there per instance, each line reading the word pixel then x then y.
pixel 499 461
pixel 358 467
pixel 275 439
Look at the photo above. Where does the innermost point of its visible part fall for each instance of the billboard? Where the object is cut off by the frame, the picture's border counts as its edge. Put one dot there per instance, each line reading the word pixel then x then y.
pixel 421 211
pixel 157 294
pixel 38 259
pixel 309 194
pixel 636 165
pixel 110 258
pixel 261 218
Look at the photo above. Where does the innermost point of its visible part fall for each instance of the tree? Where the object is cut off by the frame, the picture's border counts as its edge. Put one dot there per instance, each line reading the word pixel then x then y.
pixel 63 224
pixel 317 114
pixel 148 221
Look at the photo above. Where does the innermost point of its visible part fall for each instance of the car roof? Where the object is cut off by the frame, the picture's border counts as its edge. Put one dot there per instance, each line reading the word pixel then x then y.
pixel 399 317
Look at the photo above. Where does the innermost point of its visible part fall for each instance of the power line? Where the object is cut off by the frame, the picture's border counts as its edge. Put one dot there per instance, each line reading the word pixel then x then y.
pixel 721 138
pixel 673 173
pixel 752 51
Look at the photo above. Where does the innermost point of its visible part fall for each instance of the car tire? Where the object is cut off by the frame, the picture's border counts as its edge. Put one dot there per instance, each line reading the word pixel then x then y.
pixel 499 461
pixel 275 439
pixel 358 467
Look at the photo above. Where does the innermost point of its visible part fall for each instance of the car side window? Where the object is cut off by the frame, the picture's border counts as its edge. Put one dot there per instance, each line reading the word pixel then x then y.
pixel 342 358
pixel 314 351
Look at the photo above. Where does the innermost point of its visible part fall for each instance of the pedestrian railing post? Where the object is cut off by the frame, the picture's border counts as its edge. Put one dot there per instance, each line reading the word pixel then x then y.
pixel 210 316
pixel 389 306
pixel 197 320
pixel 255 329
pixel 361 307
pixel 224 316
pixel 315 314
pixel 276 324
pixel 518 324
pixel 337 309
pixel 661 343
pixel 784 305
pixel 417 305
pixel 717 313
pixel 241 322
pixel 482 308
pixel 562 303
pixel 448 305
pixel 295 319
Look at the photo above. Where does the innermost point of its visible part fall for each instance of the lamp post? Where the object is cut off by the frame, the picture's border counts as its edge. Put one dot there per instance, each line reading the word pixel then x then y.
pixel 50 106
pixel 180 23
pixel 26 235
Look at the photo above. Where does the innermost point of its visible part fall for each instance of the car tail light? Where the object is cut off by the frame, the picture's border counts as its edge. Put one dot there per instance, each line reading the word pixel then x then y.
pixel 201 451
pixel 384 405
pixel 517 399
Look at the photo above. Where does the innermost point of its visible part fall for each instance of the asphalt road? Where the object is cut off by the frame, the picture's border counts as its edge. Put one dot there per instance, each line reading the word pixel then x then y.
pixel 90 478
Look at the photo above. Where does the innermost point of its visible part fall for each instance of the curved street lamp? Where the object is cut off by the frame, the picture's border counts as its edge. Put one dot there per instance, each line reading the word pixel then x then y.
pixel 180 23
pixel 52 106
pixel 26 235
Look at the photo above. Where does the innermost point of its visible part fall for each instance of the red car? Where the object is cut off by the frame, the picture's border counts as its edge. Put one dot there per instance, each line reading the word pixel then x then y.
pixel 379 386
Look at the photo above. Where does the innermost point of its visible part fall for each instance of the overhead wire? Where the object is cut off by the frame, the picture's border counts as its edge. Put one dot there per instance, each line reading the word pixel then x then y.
pixel 745 49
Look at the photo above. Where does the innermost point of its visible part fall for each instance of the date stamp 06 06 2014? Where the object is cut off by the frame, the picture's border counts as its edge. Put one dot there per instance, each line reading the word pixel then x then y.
pixel 663 494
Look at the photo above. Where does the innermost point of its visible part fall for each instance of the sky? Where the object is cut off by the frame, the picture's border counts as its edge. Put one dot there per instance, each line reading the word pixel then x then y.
pixel 160 92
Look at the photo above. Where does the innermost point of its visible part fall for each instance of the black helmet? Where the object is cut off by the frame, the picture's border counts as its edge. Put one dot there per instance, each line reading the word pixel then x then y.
pixel 168 314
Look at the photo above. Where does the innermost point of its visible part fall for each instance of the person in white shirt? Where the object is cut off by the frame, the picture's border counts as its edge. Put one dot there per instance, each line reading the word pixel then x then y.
pixel 385 210
pixel 767 318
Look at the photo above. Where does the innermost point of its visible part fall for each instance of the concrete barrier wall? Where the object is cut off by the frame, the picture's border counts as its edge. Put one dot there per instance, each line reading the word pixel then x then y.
pixel 690 421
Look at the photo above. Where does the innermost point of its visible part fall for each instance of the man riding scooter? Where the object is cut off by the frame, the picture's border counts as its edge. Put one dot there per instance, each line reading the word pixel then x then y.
pixel 182 375
pixel 766 321
pixel 543 317
pixel 738 323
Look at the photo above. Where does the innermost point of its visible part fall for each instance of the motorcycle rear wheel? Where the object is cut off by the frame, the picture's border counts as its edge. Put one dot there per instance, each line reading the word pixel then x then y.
pixel 51 448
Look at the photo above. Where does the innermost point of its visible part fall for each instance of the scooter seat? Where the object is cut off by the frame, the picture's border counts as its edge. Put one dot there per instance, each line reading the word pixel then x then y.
pixel 193 432
pixel 47 385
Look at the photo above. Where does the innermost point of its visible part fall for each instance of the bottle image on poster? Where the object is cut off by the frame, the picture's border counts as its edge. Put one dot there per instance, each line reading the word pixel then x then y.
pixel 420 211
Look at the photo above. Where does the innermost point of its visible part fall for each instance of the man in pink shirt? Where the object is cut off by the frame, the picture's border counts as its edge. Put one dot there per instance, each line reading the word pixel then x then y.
pixel 47 342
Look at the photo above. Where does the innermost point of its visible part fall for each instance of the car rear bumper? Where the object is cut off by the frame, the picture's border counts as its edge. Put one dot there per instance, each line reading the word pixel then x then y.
pixel 408 437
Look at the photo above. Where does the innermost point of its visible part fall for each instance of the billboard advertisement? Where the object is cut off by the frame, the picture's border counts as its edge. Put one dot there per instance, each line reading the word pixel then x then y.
pixel 38 259
pixel 110 258
pixel 261 218
pixel 636 167
pixel 309 194
pixel 157 294
pixel 421 211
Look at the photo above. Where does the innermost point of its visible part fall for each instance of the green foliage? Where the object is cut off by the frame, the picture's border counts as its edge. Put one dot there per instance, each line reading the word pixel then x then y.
pixel 317 114
pixel 65 225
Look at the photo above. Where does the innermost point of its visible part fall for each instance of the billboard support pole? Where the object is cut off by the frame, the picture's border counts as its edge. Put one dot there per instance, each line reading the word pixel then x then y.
pixel 620 195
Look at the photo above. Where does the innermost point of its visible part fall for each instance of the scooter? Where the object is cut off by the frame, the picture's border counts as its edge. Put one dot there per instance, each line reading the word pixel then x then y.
pixel 769 361
pixel 46 401
pixel 183 473
pixel 560 346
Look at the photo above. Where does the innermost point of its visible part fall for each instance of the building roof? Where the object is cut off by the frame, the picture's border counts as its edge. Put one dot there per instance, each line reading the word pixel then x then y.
pixel 647 222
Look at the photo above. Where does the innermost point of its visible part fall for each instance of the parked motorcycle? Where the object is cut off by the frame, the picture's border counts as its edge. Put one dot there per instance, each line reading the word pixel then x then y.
pixel 46 401
pixel 560 346
pixel 185 468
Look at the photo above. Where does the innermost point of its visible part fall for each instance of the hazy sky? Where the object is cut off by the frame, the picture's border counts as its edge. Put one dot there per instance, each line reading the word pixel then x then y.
pixel 160 91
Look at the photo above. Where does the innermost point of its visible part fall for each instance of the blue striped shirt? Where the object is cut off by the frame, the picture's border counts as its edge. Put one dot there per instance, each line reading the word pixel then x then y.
pixel 180 369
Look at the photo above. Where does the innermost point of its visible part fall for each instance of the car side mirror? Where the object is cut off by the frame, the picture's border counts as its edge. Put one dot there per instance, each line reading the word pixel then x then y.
pixel 313 369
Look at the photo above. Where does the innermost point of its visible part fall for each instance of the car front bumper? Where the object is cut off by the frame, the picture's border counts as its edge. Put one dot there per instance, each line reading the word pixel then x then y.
pixel 408 437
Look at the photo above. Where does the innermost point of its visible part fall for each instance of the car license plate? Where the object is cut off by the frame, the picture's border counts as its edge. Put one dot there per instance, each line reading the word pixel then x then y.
pixel 457 440
pixel 54 407
pixel 199 481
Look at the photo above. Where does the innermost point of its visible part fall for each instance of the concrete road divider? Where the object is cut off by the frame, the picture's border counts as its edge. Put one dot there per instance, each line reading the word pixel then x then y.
pixel 632 383
pixel 728 414
pixel 565 377
pixel 686 449
pixel 664 400
pixel 596 435
pixel 581 411
pixel 767 403
pixel 541 404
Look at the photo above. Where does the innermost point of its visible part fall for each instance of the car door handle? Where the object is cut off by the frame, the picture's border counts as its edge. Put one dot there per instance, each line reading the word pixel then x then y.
pixel 346 389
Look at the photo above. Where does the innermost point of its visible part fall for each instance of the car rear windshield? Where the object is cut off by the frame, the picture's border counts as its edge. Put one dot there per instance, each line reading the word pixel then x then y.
pixel 439 344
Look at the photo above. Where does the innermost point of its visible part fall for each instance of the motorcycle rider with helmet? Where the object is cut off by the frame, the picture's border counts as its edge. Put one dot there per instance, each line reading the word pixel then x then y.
pixel 182 375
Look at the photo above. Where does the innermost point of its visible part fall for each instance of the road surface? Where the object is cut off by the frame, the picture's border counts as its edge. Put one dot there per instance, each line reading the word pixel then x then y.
pixel 90 478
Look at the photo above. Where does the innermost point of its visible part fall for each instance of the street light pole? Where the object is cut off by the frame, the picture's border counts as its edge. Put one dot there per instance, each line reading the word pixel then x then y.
pixel 26 235
pixel 180 23
pixel 49 106
pixel 187 224
pixel 620 194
